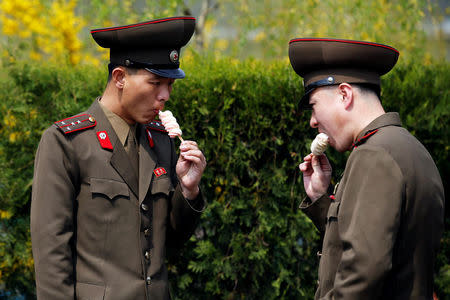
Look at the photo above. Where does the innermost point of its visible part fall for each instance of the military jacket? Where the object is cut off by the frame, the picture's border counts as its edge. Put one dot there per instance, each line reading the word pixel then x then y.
pixel 99 229
pixel 383 225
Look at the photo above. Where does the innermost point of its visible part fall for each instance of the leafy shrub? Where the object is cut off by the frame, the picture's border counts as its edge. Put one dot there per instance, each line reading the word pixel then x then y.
pixel 252 241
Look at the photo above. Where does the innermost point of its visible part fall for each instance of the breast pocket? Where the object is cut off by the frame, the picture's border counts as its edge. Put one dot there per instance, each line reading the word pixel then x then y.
pixel 109 188
pixel 162 185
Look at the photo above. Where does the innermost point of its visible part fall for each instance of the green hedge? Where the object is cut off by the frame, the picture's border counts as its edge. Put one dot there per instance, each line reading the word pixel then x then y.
pixel 252 242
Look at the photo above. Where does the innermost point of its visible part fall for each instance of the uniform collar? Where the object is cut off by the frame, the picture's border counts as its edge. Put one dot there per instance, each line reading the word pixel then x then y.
pixel 118 124
pixel 387 119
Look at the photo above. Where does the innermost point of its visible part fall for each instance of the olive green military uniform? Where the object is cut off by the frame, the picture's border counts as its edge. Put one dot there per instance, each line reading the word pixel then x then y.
pixel 383 227
pixel 100 229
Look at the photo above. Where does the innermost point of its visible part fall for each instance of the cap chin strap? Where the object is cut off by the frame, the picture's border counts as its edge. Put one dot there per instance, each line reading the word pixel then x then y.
pixel 323 82
pixel 303 103
pixel 142 65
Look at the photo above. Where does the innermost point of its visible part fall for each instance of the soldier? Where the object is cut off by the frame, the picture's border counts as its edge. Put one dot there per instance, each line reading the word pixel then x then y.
pixel 383 224
pixel 109 192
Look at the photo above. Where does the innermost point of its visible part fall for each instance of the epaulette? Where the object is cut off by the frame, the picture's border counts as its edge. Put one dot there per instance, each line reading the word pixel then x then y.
pixel 76 123
pixel 156 125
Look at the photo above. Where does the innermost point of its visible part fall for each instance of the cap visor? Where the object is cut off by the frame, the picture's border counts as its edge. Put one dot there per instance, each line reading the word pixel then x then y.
pixel 169 73
pixel 303 104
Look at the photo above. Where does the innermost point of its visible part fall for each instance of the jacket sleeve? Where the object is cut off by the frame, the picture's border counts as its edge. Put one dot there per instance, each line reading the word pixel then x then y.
pixel 52 217
pixel 368 217
pixel 184 213
pixel 317 210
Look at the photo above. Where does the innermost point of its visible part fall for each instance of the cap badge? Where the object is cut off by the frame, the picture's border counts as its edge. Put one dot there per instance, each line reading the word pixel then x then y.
pixel 330 79
pixel 174 56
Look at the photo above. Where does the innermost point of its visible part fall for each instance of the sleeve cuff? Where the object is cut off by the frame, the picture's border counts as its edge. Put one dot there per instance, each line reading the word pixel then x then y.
pixel 316 210
pixel 198 204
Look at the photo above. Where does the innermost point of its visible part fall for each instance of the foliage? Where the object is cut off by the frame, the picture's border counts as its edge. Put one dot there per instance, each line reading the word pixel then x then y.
pixel 252 241
pixel 59 29
pixel 42 30
pixel 273 23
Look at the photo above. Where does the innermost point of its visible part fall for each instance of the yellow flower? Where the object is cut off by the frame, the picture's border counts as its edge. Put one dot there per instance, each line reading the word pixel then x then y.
pixel 10 120
pixel 10 27
pixel 221 44
pixel 260 36
pixel 5 214
pixel 13 137
pixel 35 55
pixel 218 190
pixel 7 7
pixel 24 33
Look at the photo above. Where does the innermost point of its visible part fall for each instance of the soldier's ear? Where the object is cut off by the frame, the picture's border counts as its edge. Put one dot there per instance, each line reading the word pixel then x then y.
pixel 118 77
pixel 346 94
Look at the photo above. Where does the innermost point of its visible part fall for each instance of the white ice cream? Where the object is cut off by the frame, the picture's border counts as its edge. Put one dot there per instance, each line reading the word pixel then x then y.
pixel 320 144
pixel 170 123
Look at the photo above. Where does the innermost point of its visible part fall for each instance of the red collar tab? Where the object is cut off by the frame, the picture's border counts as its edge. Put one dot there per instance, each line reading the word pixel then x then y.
pixel 363 139
pixel 103 138
pixel 150 138
pixel 76 123
pixel 159 171
pixel 156 125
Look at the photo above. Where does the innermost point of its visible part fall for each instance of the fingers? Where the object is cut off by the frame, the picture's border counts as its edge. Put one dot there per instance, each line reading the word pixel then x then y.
pixel 195 156
pixel 315 163
pixel 324 163
pixel 308 157
pixel 187 145
pixel 304 166
pixel 189 151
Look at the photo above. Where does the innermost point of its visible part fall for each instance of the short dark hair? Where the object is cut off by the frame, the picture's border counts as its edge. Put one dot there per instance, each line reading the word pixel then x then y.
pixel 368 88
pixel 111 67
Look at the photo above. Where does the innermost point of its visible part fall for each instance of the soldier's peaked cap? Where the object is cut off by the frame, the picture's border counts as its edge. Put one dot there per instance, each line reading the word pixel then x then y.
pixel 325 61
pixel 154 45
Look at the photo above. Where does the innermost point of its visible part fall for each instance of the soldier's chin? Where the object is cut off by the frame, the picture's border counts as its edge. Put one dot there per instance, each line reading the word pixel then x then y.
pixel 147 119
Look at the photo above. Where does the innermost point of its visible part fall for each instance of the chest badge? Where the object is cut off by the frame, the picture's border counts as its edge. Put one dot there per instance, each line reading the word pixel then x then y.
pixel 103 138
pixel 159 171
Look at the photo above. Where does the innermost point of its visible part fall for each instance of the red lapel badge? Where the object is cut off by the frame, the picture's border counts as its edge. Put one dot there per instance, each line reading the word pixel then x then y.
pixel 103 138
pixel 150 138
pixel 159 171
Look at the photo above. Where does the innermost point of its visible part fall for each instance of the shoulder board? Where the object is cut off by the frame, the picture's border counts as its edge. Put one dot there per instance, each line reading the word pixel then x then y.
pixel 76 123
pixel 156 125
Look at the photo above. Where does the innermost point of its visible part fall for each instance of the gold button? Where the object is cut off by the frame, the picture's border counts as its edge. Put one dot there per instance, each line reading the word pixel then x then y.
pixel 147 255
pixel 92 119
pixel 148 280
pixel 147 232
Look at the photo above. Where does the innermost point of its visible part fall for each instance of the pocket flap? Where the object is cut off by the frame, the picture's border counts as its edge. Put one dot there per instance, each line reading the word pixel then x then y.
pixel 333 210
pixel 109 188
pixel 87 291
pixel 162 185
